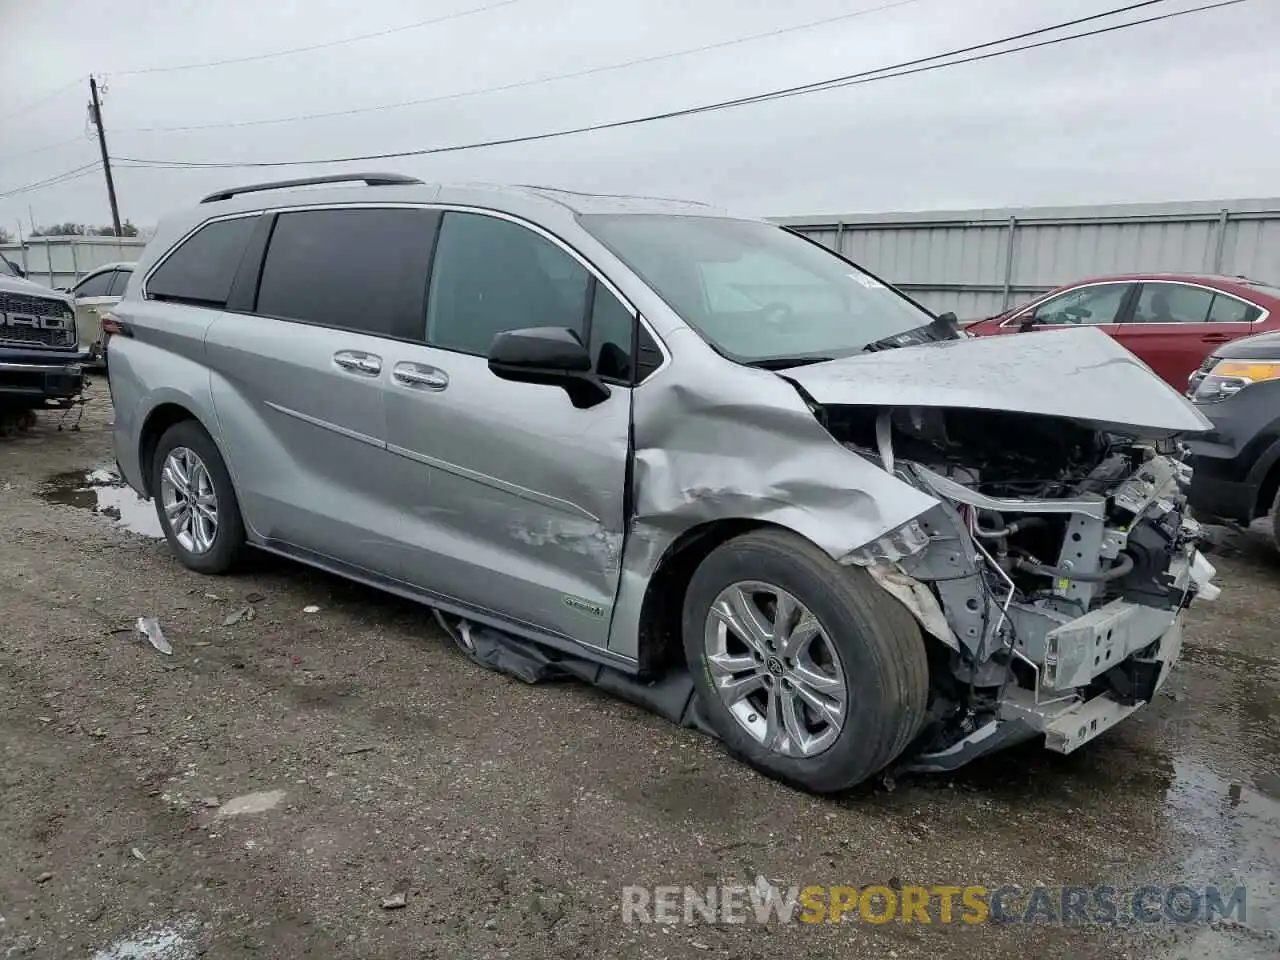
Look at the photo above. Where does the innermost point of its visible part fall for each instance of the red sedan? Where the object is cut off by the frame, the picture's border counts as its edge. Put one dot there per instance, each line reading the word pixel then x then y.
pixel 1171 321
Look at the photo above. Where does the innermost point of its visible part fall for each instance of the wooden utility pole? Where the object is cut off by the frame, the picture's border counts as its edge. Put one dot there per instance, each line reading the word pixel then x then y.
pixel 96 108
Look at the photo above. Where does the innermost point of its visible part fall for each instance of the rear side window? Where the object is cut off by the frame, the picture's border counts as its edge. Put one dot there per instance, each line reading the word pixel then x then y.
pixel 1230 310
pixel 357 269
pixel 202 269
pixel 1172 303
pixel 119 283
pixel 95 286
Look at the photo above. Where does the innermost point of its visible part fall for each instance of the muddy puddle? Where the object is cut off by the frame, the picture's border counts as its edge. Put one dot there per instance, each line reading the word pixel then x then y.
pixel 102 491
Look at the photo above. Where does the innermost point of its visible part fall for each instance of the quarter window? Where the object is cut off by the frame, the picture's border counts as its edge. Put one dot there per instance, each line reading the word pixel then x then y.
pixel 1227 309
pixel 357 269
pixel 611 337
pixel 201 271
pixel 96 285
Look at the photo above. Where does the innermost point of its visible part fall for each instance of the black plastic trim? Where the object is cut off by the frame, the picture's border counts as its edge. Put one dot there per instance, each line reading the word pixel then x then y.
pixel 244 285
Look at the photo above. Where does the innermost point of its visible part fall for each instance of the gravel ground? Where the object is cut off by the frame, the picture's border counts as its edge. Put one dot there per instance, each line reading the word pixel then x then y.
pixel 510 817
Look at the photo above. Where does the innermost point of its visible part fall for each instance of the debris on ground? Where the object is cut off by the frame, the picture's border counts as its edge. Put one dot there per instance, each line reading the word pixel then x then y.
pixel 138 854
pixel 254 597
pixel 150 628
pixel 251 803
pixel 395 902
pixel 44 878
pixel 245 613
pixel 171 942
pixel 311 608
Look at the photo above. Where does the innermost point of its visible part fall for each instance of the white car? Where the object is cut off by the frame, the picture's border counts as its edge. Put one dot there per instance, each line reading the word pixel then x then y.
pixel 95 295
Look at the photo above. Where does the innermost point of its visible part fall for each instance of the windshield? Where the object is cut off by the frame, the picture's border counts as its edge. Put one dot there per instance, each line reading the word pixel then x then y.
pixel 755 291
pixel 6 268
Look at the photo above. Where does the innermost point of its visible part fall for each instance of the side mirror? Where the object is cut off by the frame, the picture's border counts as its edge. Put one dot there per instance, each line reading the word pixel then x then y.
pixel 1027 323
pixel 550 355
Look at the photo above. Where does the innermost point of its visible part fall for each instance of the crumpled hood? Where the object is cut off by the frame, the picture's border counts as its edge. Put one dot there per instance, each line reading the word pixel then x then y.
pixel 1077 373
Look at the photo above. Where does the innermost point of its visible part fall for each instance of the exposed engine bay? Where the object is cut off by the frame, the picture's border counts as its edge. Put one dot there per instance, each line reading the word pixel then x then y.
pixel 1054 569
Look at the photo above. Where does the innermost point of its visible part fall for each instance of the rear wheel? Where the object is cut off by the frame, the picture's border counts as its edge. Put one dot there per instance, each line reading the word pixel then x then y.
pixel 808 670
pixel 195 501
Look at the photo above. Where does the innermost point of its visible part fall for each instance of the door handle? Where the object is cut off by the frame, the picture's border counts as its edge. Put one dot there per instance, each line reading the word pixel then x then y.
pixel 420 376
pixel 1216 338
pixel 358 361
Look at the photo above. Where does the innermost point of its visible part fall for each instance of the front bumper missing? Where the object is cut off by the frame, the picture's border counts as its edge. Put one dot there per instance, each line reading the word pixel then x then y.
pixel 1066 722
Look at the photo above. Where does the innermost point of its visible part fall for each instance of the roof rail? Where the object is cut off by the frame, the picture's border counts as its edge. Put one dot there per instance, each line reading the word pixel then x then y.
pixel 612 196
pixel 370 179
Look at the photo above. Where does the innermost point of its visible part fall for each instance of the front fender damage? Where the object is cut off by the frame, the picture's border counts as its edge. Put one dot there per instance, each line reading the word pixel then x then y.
pixel 722 443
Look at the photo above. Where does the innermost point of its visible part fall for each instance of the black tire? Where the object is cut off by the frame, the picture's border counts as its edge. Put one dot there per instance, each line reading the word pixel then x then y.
pixel 229 540
pixel 1275 520
pixel 879 643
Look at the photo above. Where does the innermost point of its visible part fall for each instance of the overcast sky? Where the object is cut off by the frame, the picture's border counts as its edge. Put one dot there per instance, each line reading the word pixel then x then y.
pixel 1178 110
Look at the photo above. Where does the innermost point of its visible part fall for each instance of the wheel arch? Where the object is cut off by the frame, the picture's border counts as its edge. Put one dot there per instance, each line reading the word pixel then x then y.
pixel 158 419
pixel 661 645
pixel 1268 482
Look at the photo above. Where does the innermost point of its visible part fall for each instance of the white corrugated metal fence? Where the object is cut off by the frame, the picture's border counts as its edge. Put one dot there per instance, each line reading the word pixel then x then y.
pixel 977 263
pixel 61 261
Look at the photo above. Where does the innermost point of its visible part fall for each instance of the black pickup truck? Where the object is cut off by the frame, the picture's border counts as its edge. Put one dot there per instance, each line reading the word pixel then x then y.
pixel 41 364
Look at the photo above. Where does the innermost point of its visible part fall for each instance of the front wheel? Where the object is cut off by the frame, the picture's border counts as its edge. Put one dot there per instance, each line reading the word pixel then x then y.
pixel 195 500
pixel 808 670
pixel 1275 520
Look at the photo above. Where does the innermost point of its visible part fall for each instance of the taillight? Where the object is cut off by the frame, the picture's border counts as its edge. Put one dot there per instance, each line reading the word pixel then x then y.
pixel 113 326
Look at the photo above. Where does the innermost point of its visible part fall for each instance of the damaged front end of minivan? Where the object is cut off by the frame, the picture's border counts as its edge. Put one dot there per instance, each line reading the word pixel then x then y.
pixel 1058 559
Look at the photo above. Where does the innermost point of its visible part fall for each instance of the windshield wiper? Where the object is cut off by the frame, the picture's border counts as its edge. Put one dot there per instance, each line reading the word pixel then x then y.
pixel 783 363
pixel 943 327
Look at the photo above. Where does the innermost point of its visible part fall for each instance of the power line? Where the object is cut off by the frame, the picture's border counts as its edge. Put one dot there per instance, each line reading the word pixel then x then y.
pixel 45 99
pixel 49 146
pixel 920 65
pixel 315 46
pixel 519 84
pixel 63 177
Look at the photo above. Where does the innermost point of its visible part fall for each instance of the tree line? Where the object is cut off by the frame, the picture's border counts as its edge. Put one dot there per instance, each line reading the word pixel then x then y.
pixel 70 229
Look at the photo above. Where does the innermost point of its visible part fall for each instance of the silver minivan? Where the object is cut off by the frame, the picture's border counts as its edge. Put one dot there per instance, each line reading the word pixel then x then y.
pixel 699 460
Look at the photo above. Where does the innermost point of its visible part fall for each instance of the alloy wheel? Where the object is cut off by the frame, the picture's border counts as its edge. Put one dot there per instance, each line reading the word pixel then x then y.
pixel 775 668
pixel 189 500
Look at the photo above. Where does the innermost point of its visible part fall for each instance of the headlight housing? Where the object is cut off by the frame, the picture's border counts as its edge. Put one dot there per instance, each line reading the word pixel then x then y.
pixel 1226 378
